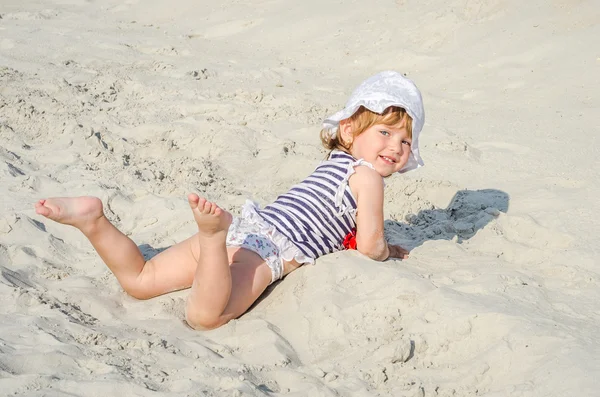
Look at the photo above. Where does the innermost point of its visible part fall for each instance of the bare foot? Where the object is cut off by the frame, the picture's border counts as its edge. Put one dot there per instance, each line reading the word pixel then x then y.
pixel 213 222
pixel 81 212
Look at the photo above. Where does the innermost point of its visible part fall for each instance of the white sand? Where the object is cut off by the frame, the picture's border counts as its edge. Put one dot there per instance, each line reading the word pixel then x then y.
pixel 141 102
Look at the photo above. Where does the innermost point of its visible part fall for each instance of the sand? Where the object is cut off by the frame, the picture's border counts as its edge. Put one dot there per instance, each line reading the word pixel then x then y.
pixel 141 102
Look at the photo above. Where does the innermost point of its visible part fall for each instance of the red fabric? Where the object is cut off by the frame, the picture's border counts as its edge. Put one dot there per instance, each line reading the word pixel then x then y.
pixel 350 240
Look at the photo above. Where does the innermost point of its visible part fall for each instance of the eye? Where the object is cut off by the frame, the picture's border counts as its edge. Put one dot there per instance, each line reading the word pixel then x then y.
pixel 384 132
pixel 406 143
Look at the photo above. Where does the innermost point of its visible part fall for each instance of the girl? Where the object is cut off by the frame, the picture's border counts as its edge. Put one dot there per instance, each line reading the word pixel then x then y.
pixel 230 262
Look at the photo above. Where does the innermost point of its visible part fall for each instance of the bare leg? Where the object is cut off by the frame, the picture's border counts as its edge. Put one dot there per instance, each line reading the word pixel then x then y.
pixel 212 284
pixel 118 251
pixel 170 270
pixel 226 280
pixel 224 286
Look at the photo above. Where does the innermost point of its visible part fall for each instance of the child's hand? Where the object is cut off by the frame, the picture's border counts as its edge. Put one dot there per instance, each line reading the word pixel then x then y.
pixel 397 252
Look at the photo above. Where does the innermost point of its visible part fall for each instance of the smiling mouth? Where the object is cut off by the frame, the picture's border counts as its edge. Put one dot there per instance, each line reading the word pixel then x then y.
pixel 388 159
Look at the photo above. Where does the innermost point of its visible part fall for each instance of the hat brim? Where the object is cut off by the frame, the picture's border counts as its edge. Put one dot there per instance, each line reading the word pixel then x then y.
pixel 332 123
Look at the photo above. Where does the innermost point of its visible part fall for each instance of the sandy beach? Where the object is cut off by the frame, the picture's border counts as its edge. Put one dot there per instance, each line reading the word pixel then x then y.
pixel 141 102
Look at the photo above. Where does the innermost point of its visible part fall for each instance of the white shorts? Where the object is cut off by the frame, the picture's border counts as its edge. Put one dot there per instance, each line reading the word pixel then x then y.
pixel 252 232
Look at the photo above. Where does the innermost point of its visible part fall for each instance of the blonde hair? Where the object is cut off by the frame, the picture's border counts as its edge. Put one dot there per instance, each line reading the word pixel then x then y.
pixel 363 119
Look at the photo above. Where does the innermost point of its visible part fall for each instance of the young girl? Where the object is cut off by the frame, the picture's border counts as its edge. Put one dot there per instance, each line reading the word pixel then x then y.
pixel 230 262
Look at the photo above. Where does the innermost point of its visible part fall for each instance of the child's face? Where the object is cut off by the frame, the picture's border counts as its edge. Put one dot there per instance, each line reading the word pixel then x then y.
pixel 386 147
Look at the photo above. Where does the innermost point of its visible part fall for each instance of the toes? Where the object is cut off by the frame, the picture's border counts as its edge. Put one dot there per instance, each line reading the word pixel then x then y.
pixel 41 210
pixel 193 200
pixel 201 204
pixel 39 204
pixel 213 207
pixel 204 206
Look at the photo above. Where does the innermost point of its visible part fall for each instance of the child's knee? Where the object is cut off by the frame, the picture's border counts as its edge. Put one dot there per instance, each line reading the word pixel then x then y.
pixel 201 320
pixel 137 289
pixel 142 286
pixel 137 292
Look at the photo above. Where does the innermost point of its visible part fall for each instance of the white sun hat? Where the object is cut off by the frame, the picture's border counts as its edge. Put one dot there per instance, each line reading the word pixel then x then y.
pixel 378 93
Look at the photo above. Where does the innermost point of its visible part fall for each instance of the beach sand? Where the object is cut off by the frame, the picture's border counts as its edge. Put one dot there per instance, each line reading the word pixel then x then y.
pixel 142 102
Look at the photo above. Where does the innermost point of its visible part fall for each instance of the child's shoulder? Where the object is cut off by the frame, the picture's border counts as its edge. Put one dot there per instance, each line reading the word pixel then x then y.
pixel 364 178
pixel 366 173
pixel 366 185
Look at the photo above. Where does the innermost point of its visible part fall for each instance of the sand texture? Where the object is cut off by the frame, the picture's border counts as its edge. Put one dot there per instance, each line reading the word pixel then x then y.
pixel 142 102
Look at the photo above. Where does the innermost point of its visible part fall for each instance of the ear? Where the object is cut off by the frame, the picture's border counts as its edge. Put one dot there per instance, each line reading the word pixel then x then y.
pixel 345 131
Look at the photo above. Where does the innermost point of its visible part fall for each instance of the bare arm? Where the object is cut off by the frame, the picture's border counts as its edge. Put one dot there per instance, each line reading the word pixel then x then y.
pixel 367 186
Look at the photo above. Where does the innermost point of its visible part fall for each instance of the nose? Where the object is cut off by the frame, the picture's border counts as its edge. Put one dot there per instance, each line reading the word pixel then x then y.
pixel 396 145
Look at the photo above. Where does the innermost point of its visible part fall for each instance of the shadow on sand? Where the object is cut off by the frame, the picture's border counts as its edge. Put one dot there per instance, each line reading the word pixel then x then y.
pixel 468 212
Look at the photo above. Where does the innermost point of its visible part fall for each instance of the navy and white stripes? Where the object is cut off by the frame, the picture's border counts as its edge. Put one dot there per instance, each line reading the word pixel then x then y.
pixel 316 214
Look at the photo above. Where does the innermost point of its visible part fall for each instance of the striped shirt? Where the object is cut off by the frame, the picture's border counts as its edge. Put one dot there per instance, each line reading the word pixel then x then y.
pixel 316 214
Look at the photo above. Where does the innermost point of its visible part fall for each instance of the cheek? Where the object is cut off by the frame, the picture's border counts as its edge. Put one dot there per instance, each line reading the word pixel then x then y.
pixel 405 156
